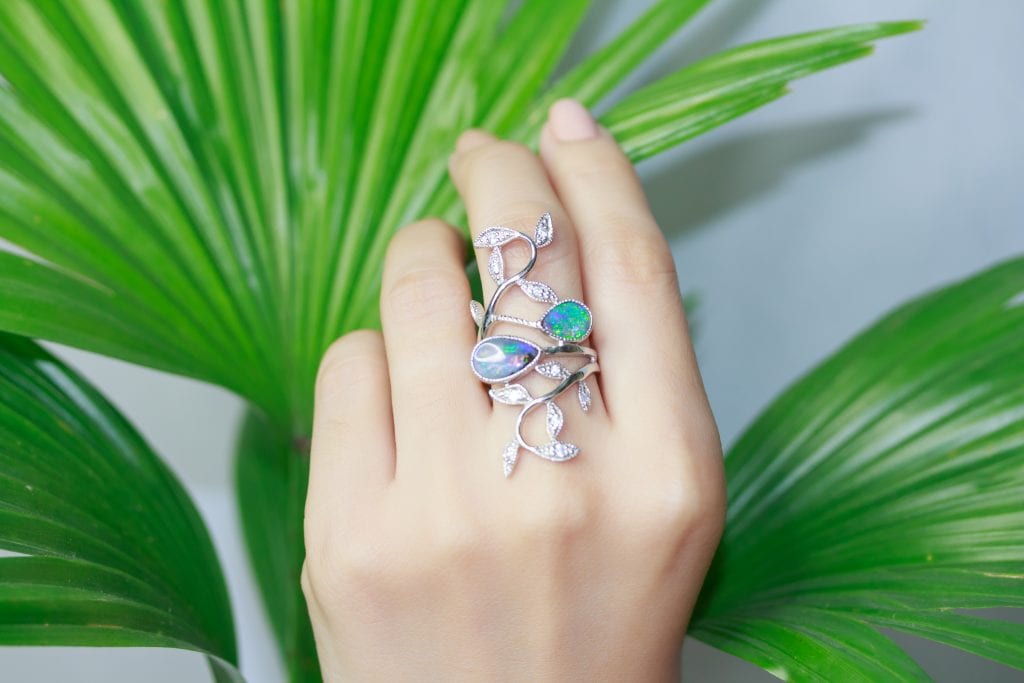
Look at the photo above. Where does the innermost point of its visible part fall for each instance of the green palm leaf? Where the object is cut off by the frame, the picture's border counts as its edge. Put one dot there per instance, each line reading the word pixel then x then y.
pixel 208 188
pixel 884 489
pixel 271 467
pixel 724 86
pixel 221 179
pixel 109 548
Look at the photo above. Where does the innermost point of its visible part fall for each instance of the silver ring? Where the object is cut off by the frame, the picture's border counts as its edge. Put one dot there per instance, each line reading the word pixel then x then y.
pixel 499 359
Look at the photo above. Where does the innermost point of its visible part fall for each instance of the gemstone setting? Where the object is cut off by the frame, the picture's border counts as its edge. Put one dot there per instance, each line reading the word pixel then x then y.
pixel 569 320
pixel 497 359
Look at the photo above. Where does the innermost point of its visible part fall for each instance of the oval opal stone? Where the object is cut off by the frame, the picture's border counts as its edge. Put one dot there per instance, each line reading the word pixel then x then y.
pixel 568 321
pixel 500 358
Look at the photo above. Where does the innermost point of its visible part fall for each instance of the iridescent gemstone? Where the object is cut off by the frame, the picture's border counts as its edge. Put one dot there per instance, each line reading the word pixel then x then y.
pixel 569 321
pixel 499 358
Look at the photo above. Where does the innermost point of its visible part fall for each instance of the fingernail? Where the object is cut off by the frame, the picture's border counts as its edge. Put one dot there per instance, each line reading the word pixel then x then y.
pixel 471 139
pixel 570 121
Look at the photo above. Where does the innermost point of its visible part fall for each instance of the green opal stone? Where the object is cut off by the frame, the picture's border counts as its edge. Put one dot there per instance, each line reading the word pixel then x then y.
pixel 569 321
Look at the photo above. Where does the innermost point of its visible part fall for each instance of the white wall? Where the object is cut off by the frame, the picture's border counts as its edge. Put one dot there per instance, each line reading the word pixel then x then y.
pixel 797 226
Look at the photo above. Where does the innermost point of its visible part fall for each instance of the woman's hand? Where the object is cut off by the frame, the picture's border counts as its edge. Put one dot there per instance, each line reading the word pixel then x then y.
pixel 423 561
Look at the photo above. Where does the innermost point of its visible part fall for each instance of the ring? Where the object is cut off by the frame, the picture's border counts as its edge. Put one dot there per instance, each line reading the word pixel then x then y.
pixel 502 358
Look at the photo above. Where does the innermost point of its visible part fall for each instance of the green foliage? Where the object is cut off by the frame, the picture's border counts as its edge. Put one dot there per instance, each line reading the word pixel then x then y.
pixel 208 188
pixel 884 489
pixel 109 548
pixel 270 467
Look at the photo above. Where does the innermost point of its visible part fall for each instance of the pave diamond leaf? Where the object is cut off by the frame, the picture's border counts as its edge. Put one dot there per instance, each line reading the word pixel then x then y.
pixel 495 237
pixel 476 309
pixel 496 266
pixel 583 392
pixel 513 394
pixel 558 451
pixel 538 291
pixel 555 420
pixel 552 369
pixel 545 231
pixel 509 456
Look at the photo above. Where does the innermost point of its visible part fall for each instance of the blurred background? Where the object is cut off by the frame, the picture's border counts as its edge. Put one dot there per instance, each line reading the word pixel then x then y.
pixel 795 227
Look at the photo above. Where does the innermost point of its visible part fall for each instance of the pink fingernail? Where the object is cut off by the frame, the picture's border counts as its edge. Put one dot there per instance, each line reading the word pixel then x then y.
pixel 570 121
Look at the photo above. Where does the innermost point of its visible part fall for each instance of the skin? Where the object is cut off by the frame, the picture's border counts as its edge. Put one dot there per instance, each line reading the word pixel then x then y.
pixel 423 561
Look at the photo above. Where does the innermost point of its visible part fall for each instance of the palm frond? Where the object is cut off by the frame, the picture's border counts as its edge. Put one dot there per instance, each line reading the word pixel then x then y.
pixel 269 466
pixel 208 188
pixel 108 548
pixel 222 179
pixel 883 490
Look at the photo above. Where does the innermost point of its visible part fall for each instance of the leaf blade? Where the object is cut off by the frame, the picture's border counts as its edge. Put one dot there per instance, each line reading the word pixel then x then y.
pixel 151 577
pixel 883 487
pixel 271 466
pixel 717 89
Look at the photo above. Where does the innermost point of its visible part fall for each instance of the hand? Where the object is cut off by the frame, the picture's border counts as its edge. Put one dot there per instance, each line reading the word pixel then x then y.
pixel 423 561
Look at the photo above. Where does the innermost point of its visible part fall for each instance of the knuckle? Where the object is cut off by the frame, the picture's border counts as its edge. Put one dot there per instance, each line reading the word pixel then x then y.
pixel 349 360
pixel 563 262
pixel 306 583
pixel 632 258
pixel 456 541
pixel 714 503
pixel 315 577
pixel 495 155
pixel 675 507
pixel 598 164
pixel 559 515
pixel 425 230
pixel 427 291
pixel 352 566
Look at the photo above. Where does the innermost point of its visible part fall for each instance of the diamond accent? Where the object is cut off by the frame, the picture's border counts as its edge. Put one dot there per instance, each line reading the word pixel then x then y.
pixel 476 309
pixel 495 237
pixel 509 457
pixel 583 393
pixel 545 231
pixel 538 291
pixel 552 369
pixel 513 394
pixel 555 420
pixel 558 451
pixel 496 266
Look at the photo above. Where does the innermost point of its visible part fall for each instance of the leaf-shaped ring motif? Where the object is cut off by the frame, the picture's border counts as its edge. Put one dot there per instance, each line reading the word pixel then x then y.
pixel 498 360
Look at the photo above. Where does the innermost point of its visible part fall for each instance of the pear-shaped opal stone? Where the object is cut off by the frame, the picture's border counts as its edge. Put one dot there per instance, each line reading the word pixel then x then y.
pixel 569 321
pixel 499 358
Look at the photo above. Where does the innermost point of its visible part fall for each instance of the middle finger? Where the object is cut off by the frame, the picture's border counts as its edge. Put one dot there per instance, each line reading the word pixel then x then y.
pixel 504 183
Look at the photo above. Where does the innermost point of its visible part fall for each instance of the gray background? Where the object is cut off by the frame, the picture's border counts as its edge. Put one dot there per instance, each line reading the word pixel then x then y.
pixel 797 226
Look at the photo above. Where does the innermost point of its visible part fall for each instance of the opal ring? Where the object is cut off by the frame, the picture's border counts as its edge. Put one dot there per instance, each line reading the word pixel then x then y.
pixel 498 360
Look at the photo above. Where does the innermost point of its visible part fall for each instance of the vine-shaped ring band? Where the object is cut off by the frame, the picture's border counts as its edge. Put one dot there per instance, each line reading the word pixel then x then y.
pixel 500 359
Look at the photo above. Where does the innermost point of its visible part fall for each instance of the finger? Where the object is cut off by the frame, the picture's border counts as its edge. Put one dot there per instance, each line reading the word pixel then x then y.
pixel 504 183
pixel 352 453
pixel 628 269
pixel 428 334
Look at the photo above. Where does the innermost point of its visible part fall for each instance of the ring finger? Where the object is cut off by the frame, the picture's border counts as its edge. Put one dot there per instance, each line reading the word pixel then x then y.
pixel 505 184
